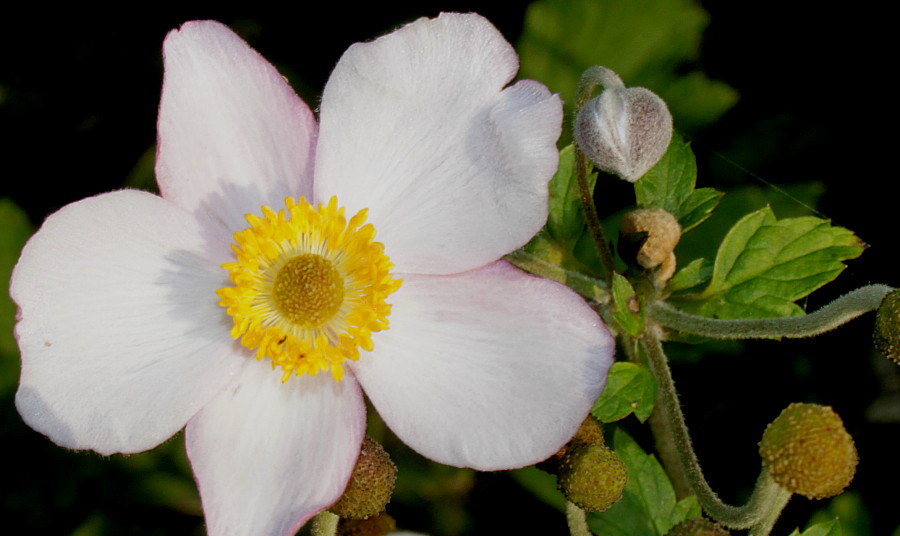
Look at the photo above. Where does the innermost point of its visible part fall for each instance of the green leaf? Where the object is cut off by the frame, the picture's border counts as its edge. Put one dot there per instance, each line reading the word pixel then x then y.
pixel 694 274
pixel 648 44
pixel 764 265
pixel 850 509
pixel 630 388
pixel 16 230
pixel 565 221
pixel 648 506
pixel 669 185
pixel 542 485
pixel 828 528
pixel 629 312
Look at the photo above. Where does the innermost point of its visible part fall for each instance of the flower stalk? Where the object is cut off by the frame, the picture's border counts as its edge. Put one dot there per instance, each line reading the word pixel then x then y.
pixel 836 313
pixel 767 500
pixel 589 81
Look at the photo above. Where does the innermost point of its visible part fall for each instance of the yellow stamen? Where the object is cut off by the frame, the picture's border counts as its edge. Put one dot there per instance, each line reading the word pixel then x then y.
pixel 309 287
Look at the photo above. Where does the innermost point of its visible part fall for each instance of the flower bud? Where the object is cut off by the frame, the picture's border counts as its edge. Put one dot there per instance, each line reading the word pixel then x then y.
pixel 887 327
pixel 371 484
pixel 656 233
pixel 624 130
pixel 592 477
pixel 807 451
pixel 699 526
pixel 378 525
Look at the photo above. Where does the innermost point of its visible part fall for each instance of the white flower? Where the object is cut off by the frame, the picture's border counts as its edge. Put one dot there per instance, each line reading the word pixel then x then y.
pixel 476 364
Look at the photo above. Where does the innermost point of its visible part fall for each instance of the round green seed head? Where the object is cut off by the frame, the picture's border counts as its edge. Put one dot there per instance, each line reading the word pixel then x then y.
pixel 592 477
pixel 808 451
pixel 887 327
pixel 371 484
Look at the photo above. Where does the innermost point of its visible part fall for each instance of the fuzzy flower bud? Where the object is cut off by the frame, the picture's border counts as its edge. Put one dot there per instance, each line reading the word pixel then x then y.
pixel 656 233
pixel 623 130
pixel 699 526
pixel 887 327
pixel 592 477
pixel 371 484
pixel 808 451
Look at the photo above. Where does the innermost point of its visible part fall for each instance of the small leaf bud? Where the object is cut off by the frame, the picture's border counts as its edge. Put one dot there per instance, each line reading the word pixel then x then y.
pixel 887 327
pixel 699 526
pixel 657 233
pixel 624 130
pixel 808 451
pixel 592 477
pixel 371 484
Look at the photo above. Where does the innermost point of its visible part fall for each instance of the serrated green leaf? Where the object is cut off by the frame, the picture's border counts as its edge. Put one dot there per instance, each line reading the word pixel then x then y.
pixel 694 274
pixel 764 265
pixel 630 388
pixel 565 220
pixel 629 311
pixel 648 506
pixel 828 528
pixel 669 185
pixel 647 43
pixel 16 230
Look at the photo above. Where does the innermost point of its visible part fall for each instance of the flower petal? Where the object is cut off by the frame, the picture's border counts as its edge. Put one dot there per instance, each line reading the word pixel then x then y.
pixel 267 455
pixel 489 369
pixel 233 135
pixel 416 127
pixel 121 337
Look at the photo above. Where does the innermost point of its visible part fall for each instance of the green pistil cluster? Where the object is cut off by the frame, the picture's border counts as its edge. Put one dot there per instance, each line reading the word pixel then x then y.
pixel 371 485
pixel 808 451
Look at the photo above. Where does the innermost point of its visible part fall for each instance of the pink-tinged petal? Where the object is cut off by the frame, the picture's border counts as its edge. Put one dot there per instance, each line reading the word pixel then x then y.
pixel 268 455
pixel 121 337
pixel 416 126
pixel 233 135
pixel 489 369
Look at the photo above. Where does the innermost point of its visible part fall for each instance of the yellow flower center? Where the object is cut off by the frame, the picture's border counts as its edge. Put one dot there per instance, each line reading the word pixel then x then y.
pixel 309 287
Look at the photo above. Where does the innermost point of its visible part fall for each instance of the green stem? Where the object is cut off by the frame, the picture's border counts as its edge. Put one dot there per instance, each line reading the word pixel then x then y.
pixel 591 78
pixel 577 521
pixel 766 496
pixel 325 524
pixel 836 313
pixel 772 499
pixel 588 287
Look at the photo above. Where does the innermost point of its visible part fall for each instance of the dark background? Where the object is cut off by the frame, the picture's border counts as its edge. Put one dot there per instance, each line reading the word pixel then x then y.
pixel 78 110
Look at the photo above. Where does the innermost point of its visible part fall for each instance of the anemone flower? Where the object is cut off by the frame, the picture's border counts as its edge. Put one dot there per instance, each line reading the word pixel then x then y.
pixel 251 303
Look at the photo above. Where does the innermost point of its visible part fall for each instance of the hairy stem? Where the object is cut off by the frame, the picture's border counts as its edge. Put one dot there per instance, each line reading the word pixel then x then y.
pixel 325 524
pixel 836 313
pixel 591 78
pixel 577 521
pixel 766 496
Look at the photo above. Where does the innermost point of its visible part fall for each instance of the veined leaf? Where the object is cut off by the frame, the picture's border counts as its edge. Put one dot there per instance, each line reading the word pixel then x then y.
pixel 630 388
pixel 669 185
pixel 828 528
pixel 764 265
pixel 648 506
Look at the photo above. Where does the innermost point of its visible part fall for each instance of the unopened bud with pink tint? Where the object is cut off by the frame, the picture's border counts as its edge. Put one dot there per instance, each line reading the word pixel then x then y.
pixel 623 130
